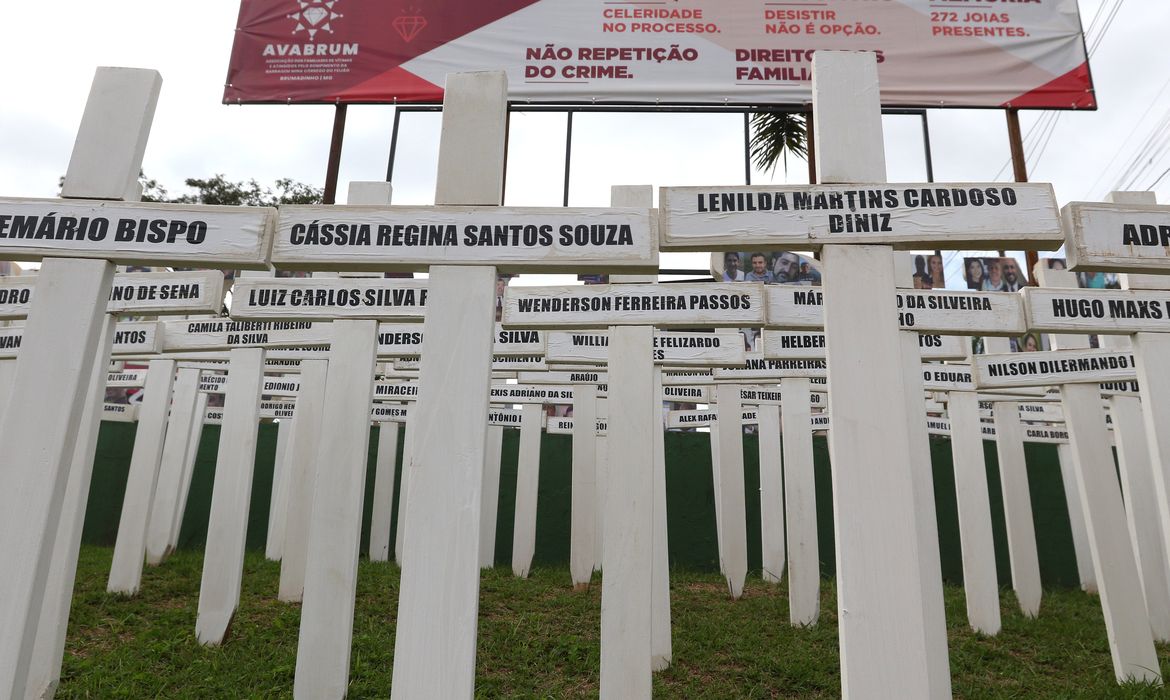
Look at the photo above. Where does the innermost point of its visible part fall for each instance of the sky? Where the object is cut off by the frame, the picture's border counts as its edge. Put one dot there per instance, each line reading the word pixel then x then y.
pixel 52 47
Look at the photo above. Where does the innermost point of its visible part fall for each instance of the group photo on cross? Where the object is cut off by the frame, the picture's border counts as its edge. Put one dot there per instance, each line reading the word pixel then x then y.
pixel 585 349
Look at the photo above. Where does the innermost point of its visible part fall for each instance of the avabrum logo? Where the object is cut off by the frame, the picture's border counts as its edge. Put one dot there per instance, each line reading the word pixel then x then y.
pixel 314 16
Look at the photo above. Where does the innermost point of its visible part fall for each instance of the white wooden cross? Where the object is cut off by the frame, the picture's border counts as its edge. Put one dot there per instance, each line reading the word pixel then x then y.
pixel 886 575
pixel 1078 373
pixel 631 311
pixel 460 241
pixel 71 302
pixel 1133 459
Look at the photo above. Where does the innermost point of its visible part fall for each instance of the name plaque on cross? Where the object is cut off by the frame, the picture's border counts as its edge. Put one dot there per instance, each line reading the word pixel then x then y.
pixel 935 311
pixel 139 293
pixel 130 233
pixel 735 305
pixel 1117 237
pixel 1109 311
pixel 514 239
pixel 328 299
pixel 961 215
pixel 1090 366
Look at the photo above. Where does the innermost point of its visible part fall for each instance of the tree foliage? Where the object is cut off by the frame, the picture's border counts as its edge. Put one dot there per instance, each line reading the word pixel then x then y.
pixel 775 135
pixel 219 190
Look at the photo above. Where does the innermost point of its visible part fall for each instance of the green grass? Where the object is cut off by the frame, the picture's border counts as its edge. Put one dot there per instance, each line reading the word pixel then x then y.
pixel 539 639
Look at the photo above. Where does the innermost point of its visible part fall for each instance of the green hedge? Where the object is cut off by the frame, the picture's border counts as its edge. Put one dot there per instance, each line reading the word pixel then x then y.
pixel 690 500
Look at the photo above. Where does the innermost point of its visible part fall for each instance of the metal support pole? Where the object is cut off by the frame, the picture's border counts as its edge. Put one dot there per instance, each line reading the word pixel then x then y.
pixel 1020 171
pixel 568 154
pixel 747 149
pixel 330 195
pixel 393 144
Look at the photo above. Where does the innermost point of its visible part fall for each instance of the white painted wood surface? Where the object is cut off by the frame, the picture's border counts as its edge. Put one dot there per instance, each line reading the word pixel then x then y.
pixel 583 508
pixel 188 470
pixel 601 481
pixel 771 495
pixel 1076 517
pixel 1141 510
pixel 661 647
pixel 490 500
pixel 707 304
pixel 527 485
pixel 331 564
pixel 882 605
pixel 1017 507
pixel 39 441
pixel 717 487
pixel 1090 366
pixel 626 599
pixel 184 400
pixel 1122 237
pixel 278 503
pixel 49 650
pixel 1131 643
pixel 381 515
pixel 1151 351
pixel 439 596
pixel 922 479
pixel 800 505
pixel 438 603
pixel 980 580
pixel 302 475
pixel 231 494
pixel 734 538
pixel 404 488
pixel 130 544
pixel 1009 216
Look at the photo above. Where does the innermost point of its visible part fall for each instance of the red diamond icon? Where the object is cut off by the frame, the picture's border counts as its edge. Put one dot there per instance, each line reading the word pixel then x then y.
pixel 408 26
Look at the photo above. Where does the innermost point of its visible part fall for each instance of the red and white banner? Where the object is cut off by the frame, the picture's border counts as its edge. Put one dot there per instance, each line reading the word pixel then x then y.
pixel 931 53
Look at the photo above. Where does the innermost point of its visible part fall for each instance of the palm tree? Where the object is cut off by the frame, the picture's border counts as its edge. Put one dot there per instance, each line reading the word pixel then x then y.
pixel 774 136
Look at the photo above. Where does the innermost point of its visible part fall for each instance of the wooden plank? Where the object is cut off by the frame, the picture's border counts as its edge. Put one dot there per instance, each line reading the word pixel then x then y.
pixel 1017 507
pixel 922 480
pixel 188 469
pixel 1141 510
pixel 527 483
pixel 1076 517
pixel 803 217
pixel 758 368
pixel 52 378
pixel 626 598
pixel 438 623
pixel 1151 350
pixel 1131 643
pixel 490 501
pixel 674 348
pixel 131 233
pixel 705 304
pixel 111 139
pixel 140 293
pixel 1117 237
pixel 771 495
pixel 602 481
pixel 227 333
pixel 800 507
pixel 661 648
pixel 302 476
pixel 382 512
pixel 324 299
pixel 130 544
pixel 731 494
pixel 583 510
pixel 404 489
pixel 514 239
pixel 980 582
pixel 45 666
pixel 1005 371
pixel 935 311
pixel 278 503
pixel 880 597
pixel 223 560
pixel 184 401
pixel 331 563
pixel 1101 311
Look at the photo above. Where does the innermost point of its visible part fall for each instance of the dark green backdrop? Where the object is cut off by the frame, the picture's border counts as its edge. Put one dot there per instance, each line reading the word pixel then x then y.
pixel 690 500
